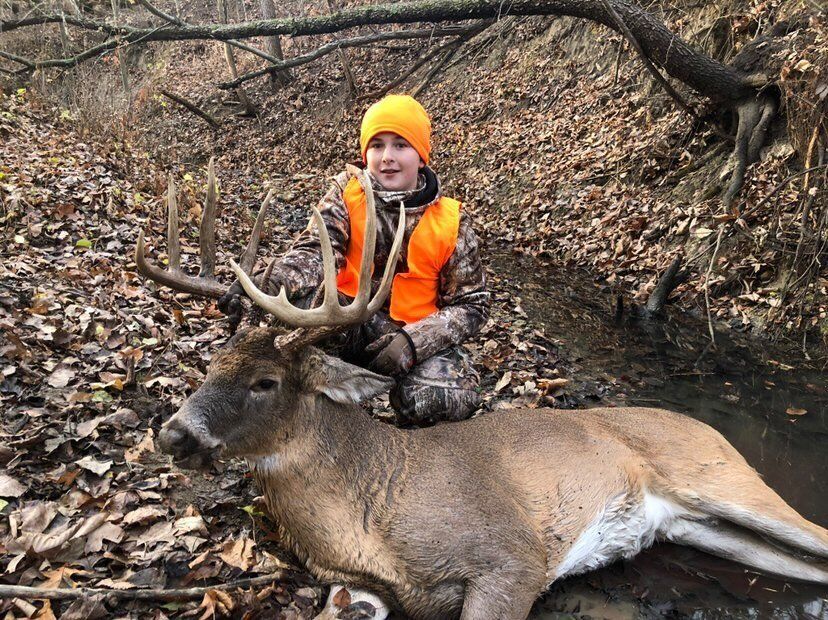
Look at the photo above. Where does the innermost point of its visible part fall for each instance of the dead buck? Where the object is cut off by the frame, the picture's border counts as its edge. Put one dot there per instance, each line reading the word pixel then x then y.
pixel 473 518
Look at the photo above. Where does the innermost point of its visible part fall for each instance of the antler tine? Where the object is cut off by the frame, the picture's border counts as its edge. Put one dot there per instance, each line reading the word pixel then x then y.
pixel 369 244
pixel 173 277
pixel 173 240
pixel 207 229
pixel 390 267
pixel 248 258
pixel 330 300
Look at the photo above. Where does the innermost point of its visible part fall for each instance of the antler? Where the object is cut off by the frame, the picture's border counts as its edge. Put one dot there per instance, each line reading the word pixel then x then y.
pixel 330 315
pixel 204 285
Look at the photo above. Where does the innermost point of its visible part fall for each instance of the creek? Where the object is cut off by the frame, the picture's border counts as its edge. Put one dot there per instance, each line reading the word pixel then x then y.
pixel 769 402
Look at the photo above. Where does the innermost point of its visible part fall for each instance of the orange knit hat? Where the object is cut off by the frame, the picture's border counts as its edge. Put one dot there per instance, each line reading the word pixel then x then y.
pixel 404 116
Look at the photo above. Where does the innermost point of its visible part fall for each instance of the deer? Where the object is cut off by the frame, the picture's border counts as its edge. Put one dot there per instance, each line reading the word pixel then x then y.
pixel 473 519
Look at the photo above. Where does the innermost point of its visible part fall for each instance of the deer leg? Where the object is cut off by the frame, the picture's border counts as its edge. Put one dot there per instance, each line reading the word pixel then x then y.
pixel 741 545
pixel 498 597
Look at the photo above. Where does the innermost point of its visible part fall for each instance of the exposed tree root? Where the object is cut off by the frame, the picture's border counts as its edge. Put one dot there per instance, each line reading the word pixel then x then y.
pixel 755 115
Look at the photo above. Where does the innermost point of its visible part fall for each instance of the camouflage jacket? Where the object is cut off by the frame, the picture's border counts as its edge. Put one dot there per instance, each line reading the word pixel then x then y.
pixel 463 300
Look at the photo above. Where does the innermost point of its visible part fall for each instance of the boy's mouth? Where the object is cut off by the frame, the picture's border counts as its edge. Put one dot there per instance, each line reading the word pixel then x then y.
pixel 388 171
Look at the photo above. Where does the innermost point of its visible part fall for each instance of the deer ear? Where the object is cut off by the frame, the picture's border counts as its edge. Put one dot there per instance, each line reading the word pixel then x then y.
pixel 345 383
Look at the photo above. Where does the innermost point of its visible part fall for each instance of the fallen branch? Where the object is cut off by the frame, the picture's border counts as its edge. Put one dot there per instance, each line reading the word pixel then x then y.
pixel 411 70
pixel 214 123
pixel 450 52
pixel 706 75
pixel 166 594
pixel 625 31
pixel 669 280
pixel 172 19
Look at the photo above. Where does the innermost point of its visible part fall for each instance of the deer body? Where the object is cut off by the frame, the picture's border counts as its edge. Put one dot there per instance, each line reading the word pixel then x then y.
pixel 483 515
pixel 473 518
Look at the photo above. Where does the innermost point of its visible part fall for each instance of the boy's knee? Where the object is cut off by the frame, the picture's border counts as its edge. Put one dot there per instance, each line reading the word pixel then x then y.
pixel 423 404
pixel 441 388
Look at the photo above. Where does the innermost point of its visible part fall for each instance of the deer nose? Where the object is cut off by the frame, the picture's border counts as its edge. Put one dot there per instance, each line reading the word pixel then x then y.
pixel 172 439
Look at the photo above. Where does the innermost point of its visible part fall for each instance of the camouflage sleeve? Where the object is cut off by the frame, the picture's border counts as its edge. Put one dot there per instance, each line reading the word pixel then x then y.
pixel 300 269
pixel 463 300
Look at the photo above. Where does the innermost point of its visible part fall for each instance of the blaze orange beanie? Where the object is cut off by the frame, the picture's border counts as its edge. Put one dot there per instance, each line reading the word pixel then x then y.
pixel 401 114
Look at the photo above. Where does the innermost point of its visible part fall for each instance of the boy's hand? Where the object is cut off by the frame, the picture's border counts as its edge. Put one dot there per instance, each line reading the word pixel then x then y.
pixel 395 354
pixel 230 304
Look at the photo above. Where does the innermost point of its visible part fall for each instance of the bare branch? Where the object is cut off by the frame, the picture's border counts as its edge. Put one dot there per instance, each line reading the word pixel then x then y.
pixel 625 31
pixel 159 13
pixel 181 594
pixel 29 64
pixel 192 108
pixel 661 46
pixel 79 22
pixel 423 33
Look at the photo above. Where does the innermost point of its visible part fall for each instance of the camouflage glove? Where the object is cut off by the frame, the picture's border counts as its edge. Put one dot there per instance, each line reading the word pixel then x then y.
pixel 230 303
pixel 395 354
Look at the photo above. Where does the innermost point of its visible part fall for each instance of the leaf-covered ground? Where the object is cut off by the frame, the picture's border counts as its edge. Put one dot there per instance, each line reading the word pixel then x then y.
pixel 93 360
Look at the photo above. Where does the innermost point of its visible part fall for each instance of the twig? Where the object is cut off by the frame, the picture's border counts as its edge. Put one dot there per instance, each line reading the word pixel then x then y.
pixel 411 70
pixel 452 50
pixel 778 188
pixel 215 124
pixel 166 594
pixel 707 286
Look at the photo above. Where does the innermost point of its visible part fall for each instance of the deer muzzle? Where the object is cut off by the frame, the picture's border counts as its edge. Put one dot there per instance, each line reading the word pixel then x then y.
pixel 190 450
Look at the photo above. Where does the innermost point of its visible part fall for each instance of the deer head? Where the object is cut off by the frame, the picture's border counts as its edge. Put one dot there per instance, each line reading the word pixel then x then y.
pixel 262 387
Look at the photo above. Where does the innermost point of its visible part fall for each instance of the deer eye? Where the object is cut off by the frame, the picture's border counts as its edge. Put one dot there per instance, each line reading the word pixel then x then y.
pixel 264 384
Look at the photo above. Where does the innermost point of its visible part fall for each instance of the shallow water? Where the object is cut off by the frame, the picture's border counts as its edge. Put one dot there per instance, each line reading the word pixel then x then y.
pixel 746 388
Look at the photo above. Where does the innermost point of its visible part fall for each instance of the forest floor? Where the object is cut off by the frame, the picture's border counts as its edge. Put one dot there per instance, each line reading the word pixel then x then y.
pixel 94 359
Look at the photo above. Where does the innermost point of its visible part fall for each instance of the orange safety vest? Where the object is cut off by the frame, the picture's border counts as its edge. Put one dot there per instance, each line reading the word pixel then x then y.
pixel 414 293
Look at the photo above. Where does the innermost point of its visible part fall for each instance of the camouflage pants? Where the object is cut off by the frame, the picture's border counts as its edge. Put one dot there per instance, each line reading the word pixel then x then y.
pixel 440 388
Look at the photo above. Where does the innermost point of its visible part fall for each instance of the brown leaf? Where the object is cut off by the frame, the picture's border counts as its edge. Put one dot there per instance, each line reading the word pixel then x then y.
pixel 9 487
pixel 238 553
pixel 144 515
pixel 216 603
pixel 61 376
pixel 145 445
pixel 96 467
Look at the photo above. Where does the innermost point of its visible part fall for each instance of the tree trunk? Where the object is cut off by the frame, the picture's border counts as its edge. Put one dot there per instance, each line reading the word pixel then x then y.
pixel 706 75
pixel 274 46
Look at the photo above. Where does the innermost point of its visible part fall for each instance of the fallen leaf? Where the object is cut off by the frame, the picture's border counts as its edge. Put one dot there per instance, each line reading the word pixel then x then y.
pixel 9 487
pixel 215 602
pixel 503 381
pixel 238 553
pixel 61 376
pixel 145 445
pixel 96 467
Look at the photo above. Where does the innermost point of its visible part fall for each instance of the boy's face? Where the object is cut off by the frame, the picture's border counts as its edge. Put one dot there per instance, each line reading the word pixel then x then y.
pixel 393 161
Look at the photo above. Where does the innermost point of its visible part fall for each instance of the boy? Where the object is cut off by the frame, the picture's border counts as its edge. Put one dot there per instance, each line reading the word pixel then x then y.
pixel 438 298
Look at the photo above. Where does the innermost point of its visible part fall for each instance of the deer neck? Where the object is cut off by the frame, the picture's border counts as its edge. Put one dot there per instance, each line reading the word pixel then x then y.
pixel 329 448
pixel 334 481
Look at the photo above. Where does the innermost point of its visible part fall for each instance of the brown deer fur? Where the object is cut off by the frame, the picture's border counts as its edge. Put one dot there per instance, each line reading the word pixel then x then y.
pixel 477 518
